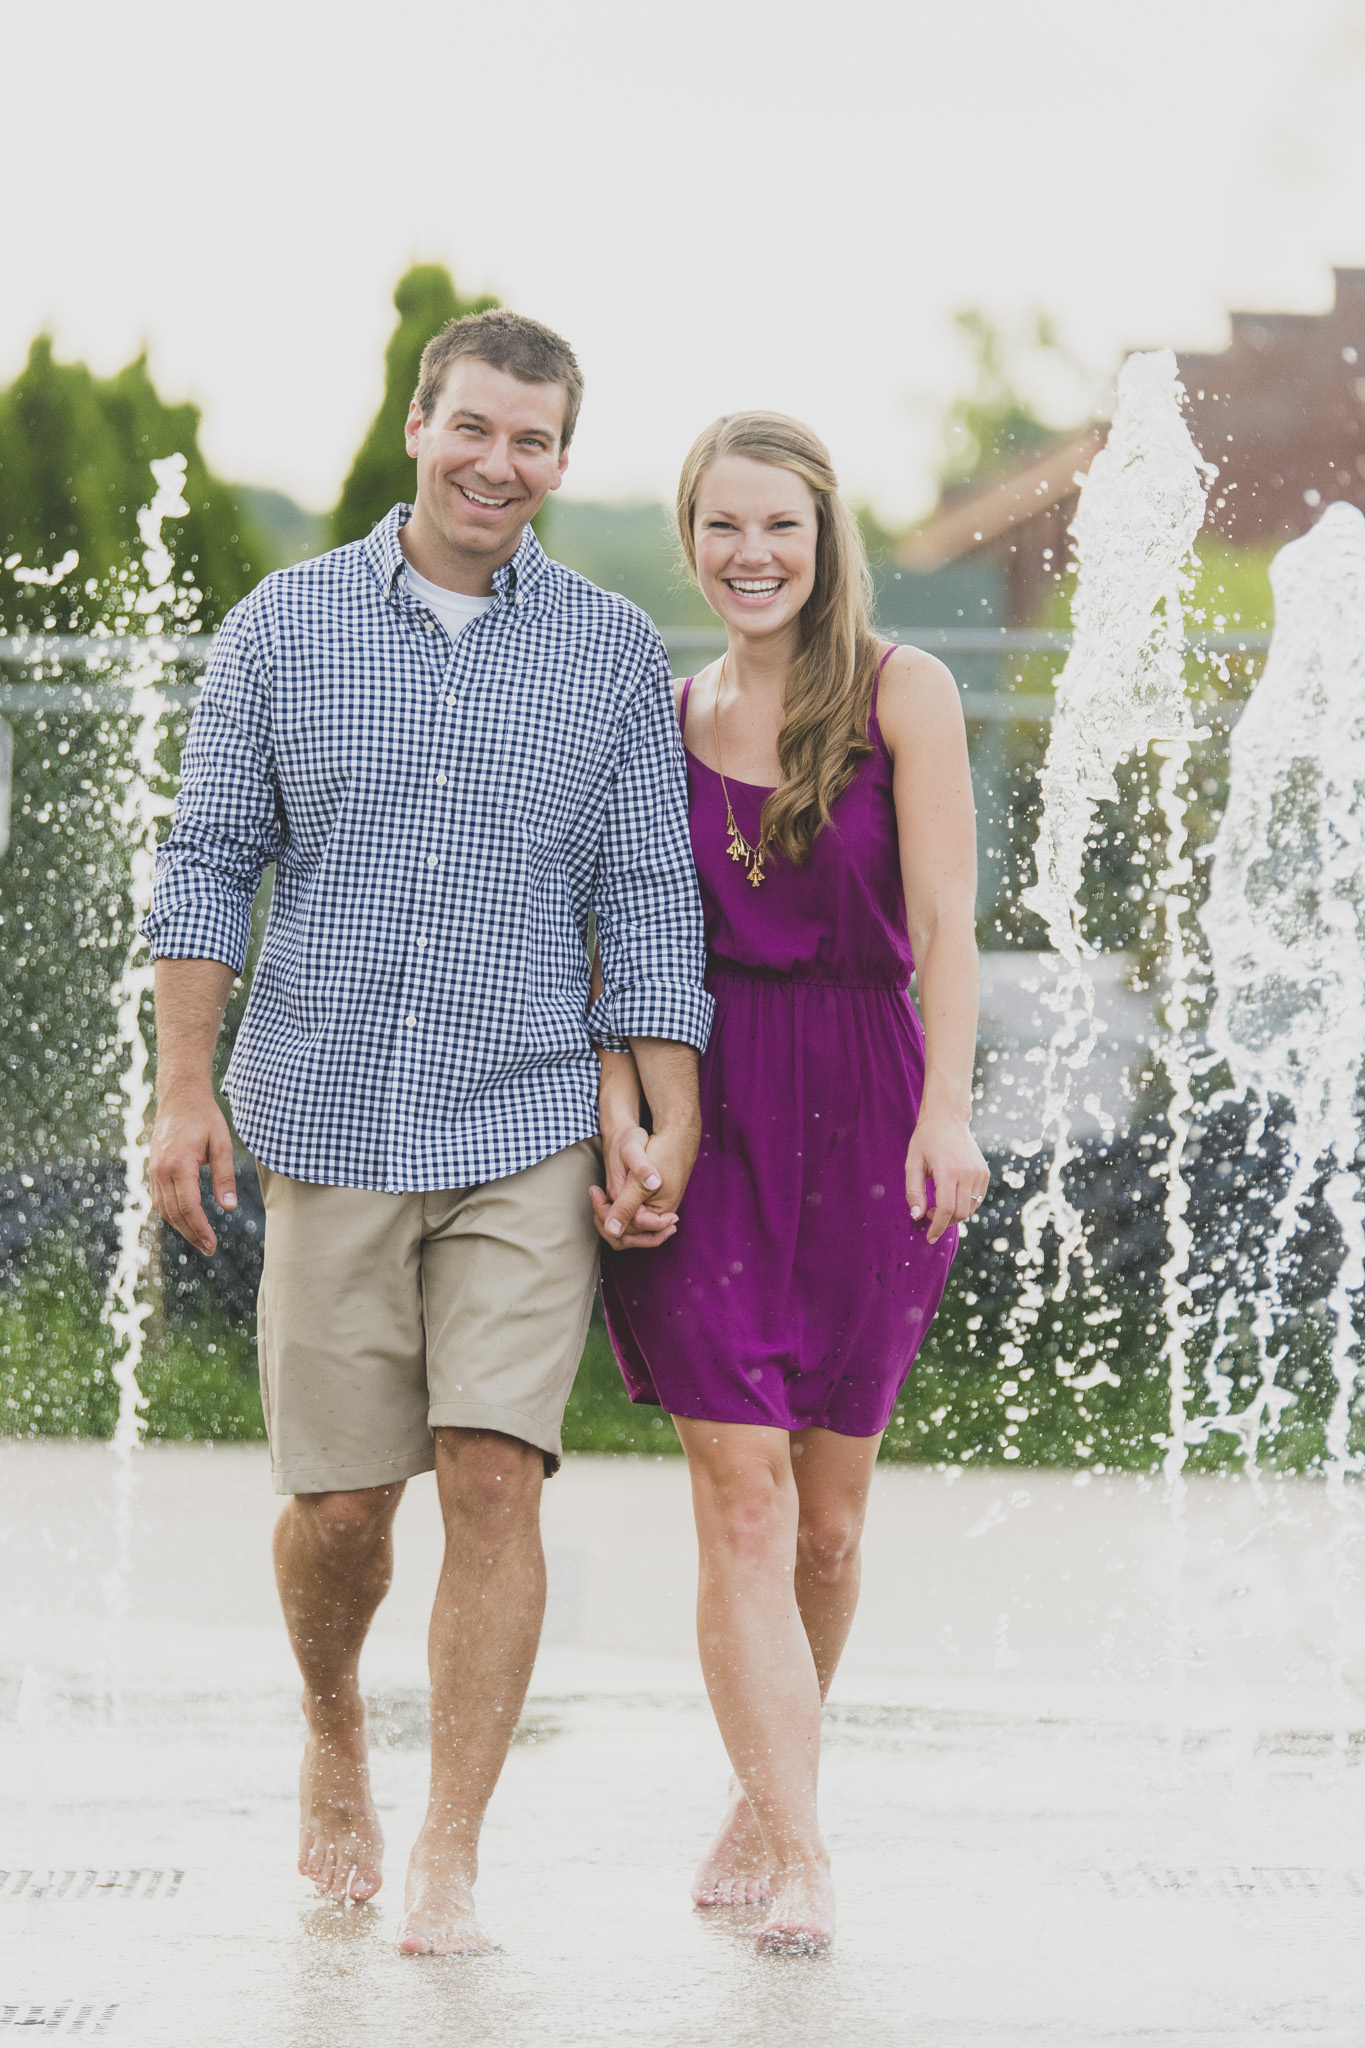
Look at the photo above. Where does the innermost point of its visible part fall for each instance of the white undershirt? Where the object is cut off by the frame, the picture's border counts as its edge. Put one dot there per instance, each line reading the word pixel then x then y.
pixel 452 607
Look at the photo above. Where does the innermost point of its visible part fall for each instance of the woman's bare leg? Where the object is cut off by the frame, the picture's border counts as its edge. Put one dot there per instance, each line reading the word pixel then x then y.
pixel 833 1479
pixel 759 1670
pixel 833 1476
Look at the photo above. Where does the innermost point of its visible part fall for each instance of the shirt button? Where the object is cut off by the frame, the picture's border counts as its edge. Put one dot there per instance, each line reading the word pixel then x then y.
pixel 450 702
pixel 432 861
pixel 410 1022
pixel 441 781
pixel 419 943
pixel 430 625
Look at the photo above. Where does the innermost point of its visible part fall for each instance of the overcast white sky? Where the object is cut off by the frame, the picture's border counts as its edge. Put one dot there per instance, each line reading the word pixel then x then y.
pixel 721 203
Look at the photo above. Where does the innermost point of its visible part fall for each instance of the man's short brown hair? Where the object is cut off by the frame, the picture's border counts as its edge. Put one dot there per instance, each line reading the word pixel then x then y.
pixel 506 341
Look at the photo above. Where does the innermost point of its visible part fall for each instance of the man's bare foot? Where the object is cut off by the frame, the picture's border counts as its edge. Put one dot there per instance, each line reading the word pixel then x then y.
pixel 802 1920
pixel 734 1870
pixel 438 1908
pixel 341 1846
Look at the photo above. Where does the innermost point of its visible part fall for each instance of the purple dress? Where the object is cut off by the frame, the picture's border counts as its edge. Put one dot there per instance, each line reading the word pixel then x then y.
pixel 797 1289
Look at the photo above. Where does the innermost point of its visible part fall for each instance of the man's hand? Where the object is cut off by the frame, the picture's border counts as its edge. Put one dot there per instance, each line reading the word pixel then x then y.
pixel 189 1131
pixel 645 1176
pixel 632 1179
pixel 638 1210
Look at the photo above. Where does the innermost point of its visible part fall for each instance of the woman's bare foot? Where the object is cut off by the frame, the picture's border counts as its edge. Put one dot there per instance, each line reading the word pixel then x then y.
pixel 734 1870
pixel 341 1846
pixel 438 1909
pixel 802 1920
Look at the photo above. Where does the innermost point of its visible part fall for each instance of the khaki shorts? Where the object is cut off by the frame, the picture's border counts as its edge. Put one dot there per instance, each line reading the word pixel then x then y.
pixel 383 1317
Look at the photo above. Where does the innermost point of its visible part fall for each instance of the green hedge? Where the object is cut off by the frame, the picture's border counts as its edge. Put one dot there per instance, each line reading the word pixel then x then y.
pixel 958 1407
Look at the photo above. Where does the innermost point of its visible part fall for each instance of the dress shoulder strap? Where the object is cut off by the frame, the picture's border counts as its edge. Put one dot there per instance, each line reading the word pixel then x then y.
pixel 874 731
pixel 682 707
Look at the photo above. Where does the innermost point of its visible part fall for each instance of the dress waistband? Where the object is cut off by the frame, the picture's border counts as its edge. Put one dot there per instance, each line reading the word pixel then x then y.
pixel 777 980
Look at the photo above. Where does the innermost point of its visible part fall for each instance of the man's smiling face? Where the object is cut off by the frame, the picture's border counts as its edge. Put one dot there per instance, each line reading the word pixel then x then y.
pixel 487 459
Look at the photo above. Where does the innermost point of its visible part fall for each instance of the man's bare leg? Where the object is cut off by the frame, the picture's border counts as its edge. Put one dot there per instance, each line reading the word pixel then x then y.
pixel 485 1626
pixel 833 1477
pixel 333 1564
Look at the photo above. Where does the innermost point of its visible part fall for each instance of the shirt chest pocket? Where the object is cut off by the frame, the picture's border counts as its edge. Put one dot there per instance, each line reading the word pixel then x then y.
pixel 340 755
pixel 543 808
pixel 531 766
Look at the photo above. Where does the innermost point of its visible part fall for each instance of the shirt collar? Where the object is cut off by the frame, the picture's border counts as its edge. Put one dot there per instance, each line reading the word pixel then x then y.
pixel 524 580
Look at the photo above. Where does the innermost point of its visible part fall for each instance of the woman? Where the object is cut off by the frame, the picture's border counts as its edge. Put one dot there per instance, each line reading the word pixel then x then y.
pixel 834 836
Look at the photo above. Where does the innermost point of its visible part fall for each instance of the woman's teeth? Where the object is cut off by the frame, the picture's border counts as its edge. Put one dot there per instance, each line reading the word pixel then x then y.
pixel 756 589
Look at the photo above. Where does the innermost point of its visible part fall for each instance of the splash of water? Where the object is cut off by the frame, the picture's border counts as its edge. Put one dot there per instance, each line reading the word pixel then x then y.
pixel 126 1309
pixel 1122 688
pixel 1285 920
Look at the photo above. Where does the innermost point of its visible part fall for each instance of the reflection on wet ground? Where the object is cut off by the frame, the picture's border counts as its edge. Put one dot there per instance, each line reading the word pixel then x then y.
pixel 1028 1851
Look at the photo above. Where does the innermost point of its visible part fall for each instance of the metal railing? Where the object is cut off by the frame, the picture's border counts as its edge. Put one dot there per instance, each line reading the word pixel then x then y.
pixel 47 657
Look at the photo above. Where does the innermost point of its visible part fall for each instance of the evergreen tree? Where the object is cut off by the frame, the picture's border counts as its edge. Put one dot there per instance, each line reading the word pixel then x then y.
pixel 74 469
pixel 382 473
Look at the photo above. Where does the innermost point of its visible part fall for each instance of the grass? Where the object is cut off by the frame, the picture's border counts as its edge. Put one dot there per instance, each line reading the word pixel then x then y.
pixel 57 1354
pixel 1092 1390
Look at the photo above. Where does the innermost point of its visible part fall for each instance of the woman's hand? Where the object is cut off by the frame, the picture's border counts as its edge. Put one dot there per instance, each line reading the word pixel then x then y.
pixel 635 1211
pixel 944 1156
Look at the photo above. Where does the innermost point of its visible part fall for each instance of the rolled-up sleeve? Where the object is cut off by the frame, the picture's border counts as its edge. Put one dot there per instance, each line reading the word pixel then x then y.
pixel 649 917
pixel 228 818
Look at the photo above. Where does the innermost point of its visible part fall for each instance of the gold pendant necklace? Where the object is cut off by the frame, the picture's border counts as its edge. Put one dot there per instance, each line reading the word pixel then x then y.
pixel 739 847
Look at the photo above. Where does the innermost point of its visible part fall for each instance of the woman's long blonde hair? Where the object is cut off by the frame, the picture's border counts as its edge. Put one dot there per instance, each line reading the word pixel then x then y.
pixel 827 706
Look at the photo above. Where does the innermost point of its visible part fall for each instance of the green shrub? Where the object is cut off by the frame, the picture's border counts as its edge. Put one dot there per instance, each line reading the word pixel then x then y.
pixel 958 1406
pixel 57 1355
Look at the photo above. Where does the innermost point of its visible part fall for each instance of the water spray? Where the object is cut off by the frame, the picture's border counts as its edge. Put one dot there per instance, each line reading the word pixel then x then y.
pixel 1285 922
pixel 1123 688
pixel 126 1308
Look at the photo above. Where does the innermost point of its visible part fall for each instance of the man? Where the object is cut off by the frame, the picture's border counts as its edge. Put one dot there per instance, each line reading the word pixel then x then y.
pixel 454 750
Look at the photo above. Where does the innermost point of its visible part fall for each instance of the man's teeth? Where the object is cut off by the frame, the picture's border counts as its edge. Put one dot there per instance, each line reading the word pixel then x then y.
pixel 756 589
pixel 474 498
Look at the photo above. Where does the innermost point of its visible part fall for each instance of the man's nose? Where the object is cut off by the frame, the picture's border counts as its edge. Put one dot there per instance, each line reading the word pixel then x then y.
pixel 496 461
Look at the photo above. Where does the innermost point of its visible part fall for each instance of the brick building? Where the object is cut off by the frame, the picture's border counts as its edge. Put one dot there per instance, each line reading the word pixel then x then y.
pixel 1281 411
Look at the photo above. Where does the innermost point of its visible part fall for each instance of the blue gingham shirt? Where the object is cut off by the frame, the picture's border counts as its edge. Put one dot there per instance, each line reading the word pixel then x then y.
pixel 442 816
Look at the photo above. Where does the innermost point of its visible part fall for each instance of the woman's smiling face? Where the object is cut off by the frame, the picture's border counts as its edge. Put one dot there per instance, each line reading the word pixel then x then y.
pixel 755 532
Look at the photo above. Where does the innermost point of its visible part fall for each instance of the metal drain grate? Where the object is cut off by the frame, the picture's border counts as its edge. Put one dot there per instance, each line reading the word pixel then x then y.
pixel 145 1883
pixel 1255 1881
pixel 65 2020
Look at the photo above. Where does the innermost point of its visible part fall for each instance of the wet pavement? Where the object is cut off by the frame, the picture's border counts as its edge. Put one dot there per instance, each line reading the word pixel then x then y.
pixel 1088 1778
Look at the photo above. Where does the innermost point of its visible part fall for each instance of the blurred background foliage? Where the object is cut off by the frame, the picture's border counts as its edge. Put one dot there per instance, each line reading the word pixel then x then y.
pixel 74 454
pixel 995 421
pixel 382 474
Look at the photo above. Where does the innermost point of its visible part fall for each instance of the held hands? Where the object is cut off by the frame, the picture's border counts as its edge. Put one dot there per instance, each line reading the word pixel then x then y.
pixel 944 1156
pixel 190 1129
pixel 638 1210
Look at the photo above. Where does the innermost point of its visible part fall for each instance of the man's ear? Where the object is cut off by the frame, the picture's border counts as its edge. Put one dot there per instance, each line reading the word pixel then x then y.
pixel 563 465
pixel 413 427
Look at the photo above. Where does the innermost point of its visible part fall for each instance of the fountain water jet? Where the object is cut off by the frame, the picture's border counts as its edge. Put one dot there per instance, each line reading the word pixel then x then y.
pixel 1123 687
pixel 1285 922
pixel 125 1311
